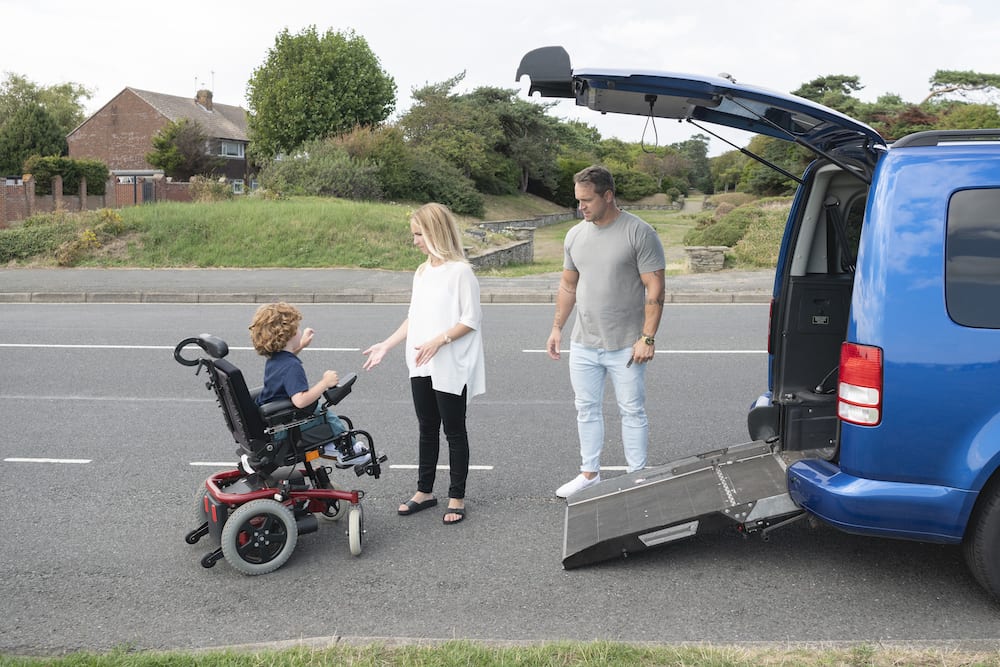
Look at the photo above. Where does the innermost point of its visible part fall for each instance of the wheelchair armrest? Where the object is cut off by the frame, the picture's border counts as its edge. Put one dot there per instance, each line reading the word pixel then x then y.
pixel 335 395
pixel 279 411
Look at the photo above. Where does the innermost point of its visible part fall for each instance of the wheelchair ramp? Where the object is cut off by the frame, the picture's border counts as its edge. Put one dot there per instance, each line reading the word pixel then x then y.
pixel 744 484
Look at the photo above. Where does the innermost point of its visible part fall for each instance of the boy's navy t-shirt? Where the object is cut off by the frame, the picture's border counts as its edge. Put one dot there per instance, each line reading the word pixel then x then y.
pixel 284 376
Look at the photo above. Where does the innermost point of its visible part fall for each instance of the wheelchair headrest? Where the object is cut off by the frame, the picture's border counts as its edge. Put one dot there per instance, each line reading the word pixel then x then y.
pixel 214 346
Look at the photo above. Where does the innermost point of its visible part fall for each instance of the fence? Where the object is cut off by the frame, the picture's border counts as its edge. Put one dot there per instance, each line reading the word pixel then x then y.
pixel 18 202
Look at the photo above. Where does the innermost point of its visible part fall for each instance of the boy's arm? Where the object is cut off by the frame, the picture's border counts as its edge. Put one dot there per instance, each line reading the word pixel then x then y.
pixel 306 398
pixel 307 337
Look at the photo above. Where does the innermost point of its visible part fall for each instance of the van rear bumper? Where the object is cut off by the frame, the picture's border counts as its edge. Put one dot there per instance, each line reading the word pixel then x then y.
pixel 922 512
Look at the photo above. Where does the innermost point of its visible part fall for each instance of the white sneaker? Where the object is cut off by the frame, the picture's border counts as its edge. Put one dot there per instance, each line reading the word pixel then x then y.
pixel 578 483
pixel 359 455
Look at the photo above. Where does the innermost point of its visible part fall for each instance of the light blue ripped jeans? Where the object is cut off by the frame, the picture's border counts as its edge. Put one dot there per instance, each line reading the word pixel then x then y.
pixel 588 368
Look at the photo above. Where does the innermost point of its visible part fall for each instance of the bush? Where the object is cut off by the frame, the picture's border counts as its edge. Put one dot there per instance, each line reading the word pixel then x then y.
pixel 729 228
pixel 634 185
pixel 731 199
pixel 66 236
pixel 203 188
pixel 44 169
pixel 37 235
pixel 324 168
pixel 762 239
pixel 442 182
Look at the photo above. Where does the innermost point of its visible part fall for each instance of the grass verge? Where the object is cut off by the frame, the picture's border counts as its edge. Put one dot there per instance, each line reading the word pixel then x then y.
pixel 558 654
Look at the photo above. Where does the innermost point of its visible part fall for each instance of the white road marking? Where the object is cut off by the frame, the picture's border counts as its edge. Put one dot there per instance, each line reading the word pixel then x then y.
pixel 15 459
pixel 190 348
pixel 413 466
pixel 674 351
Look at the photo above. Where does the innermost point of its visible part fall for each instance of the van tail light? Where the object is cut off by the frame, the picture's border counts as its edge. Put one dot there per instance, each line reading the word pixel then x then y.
pixel 859 393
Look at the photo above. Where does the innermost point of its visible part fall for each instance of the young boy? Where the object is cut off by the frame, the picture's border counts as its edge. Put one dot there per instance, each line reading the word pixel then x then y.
pixel 275 334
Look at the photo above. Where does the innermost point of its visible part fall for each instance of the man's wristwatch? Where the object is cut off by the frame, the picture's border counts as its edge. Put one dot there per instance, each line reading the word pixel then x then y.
pixel 648 340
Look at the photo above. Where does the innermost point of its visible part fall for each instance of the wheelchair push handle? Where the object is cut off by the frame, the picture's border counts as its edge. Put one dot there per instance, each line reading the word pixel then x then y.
pixel 335 395
pixel 214 346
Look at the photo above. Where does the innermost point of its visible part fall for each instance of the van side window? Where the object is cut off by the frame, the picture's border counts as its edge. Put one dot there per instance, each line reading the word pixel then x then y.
pixel 972 258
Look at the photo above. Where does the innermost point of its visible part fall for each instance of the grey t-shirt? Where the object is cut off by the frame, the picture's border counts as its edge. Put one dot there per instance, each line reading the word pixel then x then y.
pixel 610 296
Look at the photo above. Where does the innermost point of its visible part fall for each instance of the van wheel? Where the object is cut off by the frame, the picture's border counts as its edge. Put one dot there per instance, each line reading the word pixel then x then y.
pixel 981 545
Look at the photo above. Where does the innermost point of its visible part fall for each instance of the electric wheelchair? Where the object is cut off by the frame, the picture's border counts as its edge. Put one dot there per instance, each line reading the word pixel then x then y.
pixel 281 485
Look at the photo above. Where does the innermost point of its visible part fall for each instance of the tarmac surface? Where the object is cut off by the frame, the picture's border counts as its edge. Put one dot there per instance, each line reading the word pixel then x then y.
pixel 54 285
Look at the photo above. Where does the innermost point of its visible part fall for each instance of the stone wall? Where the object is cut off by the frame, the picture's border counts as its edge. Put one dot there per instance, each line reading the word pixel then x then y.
pixel 705 258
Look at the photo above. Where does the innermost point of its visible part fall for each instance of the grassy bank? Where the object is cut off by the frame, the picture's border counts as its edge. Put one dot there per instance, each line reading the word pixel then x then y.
pixel 300 232
pixel 561 654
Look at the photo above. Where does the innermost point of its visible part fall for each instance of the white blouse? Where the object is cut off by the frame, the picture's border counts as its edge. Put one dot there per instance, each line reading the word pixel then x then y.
pixel 443 296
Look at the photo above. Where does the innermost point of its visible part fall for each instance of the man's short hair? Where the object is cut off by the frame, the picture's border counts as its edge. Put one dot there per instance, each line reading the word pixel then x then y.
pixel 598 176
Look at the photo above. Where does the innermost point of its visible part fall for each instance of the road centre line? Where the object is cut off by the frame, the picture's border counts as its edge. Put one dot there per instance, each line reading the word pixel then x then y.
pixel 190 348
pixel 395 466
pixel 673 351
pixel 15 459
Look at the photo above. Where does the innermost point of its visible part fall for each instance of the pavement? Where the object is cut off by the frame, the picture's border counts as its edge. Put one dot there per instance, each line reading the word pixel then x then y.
pixel 92 285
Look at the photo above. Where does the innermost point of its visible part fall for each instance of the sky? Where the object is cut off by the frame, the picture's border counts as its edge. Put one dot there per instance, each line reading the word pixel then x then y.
pixel 179 46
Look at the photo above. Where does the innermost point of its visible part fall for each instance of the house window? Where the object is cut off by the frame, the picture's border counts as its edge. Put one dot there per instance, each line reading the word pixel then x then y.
pixel 126 180
pixel 237 186
pixel 231 149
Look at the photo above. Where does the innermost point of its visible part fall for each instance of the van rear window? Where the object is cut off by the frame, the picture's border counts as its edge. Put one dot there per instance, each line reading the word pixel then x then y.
pixel 972 258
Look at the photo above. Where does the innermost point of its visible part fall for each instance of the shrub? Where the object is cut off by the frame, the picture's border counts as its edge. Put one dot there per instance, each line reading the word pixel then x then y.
pixel 37 235
pixel 210 189
pixel 324 168
pixel 762 238
pixel 732 199
pixel 728 228
pixel 44 169
pixel 634 185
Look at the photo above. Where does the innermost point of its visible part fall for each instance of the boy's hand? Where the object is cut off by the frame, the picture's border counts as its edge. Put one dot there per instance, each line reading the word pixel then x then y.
pixel 307 337
pixel 330 379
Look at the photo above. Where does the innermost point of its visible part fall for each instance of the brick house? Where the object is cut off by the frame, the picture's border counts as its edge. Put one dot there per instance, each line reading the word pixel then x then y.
pixel 121 133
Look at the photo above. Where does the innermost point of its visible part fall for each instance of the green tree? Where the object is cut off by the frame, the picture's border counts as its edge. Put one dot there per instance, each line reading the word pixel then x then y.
pixel 30 131
pixel 456 128
pixel 946 82
pixel 726 170
pixel 762 180
pixel 695 151
pixel 181 150
pixel 528 142
pixel 312 86
pixel 833 90
pixel 970 117
pixel 64 102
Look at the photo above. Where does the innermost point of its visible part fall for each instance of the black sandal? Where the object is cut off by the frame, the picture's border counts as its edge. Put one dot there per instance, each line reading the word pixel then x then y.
pixel 412 506
pixel 460 511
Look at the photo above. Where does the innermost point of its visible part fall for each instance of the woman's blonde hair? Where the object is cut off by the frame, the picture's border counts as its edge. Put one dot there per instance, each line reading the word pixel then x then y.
pixel 441 234
pixel 273 326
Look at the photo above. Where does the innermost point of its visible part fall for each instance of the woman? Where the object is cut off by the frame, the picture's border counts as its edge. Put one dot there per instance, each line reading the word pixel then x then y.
pixel 444 355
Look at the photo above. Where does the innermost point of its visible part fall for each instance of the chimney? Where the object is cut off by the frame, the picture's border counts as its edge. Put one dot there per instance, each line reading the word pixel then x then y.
pixel 204 98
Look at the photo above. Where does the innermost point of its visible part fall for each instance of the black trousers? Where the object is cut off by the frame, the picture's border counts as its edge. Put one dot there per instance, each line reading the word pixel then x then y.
pixel 436 409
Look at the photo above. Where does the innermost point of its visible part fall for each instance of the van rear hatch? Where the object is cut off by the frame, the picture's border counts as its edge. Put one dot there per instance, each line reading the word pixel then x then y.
pixel 694 98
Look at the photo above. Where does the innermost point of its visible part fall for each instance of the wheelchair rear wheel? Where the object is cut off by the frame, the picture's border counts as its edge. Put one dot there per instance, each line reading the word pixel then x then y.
pixel 259 536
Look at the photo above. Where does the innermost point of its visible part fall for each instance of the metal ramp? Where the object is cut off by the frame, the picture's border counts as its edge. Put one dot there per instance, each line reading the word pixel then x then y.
pixel 743 484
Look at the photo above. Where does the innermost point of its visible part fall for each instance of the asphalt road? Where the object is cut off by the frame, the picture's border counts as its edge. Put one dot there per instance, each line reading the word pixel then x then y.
pixel 92 554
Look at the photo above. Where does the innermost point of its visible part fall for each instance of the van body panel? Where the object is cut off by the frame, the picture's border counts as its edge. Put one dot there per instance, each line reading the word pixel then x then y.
pixel 940 410
pixel 872 507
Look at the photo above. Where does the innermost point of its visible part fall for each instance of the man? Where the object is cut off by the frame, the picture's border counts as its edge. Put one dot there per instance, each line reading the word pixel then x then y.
pixel 613 270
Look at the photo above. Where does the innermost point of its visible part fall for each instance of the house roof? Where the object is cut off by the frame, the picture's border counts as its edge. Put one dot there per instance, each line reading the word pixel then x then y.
pixel 224 121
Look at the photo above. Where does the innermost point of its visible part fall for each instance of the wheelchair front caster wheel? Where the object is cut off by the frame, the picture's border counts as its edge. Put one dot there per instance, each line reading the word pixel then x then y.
pixel 259 536
pixel 196 534
pixel 356 529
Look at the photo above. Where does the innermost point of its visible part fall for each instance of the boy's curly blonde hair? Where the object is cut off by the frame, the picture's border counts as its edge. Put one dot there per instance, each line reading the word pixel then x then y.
pixel 273 326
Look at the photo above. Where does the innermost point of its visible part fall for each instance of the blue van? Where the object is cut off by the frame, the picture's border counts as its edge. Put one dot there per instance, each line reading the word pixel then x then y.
pixel 881 415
